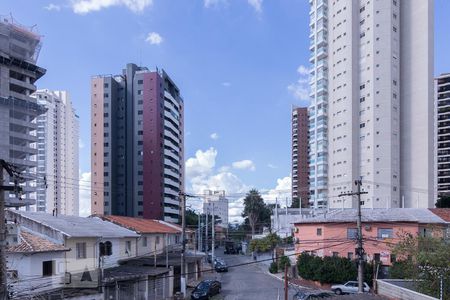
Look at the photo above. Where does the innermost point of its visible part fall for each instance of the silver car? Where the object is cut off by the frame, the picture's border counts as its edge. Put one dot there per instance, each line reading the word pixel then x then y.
pixel 350 287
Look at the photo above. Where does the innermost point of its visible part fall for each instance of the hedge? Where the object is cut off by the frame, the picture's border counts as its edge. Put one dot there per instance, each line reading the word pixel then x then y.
pixel 330 269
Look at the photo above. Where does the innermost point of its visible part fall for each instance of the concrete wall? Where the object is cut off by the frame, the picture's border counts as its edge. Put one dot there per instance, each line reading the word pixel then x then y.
pixel 333 236
pixel 385 288
pixel 29 271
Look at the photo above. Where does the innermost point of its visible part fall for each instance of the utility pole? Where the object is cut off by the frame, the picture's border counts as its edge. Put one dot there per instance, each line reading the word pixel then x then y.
pixel 3 188
pixel 213 242
pixel 286 282
pixel 199 233
pixel 3 283
pixel 206 230
pixel 360 249
pixel 183 244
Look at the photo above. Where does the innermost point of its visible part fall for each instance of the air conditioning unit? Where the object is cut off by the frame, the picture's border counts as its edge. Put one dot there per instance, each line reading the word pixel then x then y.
pixel 368 227
pixel 296 230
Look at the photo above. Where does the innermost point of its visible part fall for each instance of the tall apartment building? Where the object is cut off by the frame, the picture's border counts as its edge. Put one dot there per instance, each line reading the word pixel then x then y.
pixel 300 164
pixel 442 90
pixel 19 51
pixel 137 144
pixel 371 112
pixel 216 202
pixel 58 161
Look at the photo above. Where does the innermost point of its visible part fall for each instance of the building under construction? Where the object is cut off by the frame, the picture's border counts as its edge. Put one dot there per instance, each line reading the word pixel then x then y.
pixel 19 50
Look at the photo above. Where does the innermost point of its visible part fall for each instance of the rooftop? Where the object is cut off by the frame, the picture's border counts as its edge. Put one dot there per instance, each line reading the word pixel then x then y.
pixel 30 243
pixel 141 225
pixel 443 213
pixel 73 226
pixel 414 215
pixel 127 272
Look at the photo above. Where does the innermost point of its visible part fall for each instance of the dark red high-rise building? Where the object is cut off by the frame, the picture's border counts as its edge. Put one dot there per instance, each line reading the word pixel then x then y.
pixel 137 144
pixel 300 164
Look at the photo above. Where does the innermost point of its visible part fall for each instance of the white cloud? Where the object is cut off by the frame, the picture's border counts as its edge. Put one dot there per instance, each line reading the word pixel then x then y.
pixel 154 38
pixel 214 136
pixel 281 191
pixel 272 166
pixel 202 164
pixel 300 89
pixel 226 84
pixel 87 6
pixel 245 164
pixel 52 7
pixel 256 4
pixel 224 169
pixel 214 3
pixel 85 194
pixel 81 144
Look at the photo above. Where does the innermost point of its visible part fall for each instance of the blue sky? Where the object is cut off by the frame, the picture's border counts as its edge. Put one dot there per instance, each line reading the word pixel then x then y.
pixel 232 59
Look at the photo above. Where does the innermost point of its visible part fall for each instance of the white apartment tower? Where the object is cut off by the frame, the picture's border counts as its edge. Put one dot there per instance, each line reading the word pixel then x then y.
pixel 371 112
pixel 58 164
pixel 215 201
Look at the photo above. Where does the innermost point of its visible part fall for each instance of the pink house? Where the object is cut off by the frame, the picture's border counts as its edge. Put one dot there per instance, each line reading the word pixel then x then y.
pixel 335 232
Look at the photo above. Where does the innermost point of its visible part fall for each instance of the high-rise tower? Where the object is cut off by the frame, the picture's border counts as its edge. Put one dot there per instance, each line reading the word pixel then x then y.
pixel 58 161
pixel 19 50
pixel 371 114
pixel 137 144
pixel 300 173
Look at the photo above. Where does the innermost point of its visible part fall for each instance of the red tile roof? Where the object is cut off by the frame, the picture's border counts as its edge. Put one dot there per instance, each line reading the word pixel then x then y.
pixel 140 225
pixel 443 213
pixel 32 243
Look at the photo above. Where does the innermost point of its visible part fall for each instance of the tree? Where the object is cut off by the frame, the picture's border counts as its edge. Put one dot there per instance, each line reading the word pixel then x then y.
pixel 256 212
pixel 425 260
pixel 443 201
pixel 191 218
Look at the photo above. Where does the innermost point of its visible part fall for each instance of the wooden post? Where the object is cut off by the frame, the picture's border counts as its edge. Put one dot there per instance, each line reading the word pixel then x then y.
pixel 286 282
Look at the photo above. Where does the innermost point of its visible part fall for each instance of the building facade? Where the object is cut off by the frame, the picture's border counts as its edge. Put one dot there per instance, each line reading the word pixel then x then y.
pixel 58 159
pixel 300 167
pixel 443 133
pixel 137 143
pixel 19 51
pixel 216 202
pixel 334 234
pixel 371 112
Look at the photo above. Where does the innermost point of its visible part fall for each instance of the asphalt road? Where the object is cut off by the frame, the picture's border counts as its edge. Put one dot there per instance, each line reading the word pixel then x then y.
pixel 249 282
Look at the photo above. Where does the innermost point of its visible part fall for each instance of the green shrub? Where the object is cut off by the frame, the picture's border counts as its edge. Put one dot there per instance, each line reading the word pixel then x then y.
pixel 284 261
pixel 273 268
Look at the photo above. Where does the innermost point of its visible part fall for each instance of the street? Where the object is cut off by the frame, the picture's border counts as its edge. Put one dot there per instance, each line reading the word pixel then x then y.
pixel 248 282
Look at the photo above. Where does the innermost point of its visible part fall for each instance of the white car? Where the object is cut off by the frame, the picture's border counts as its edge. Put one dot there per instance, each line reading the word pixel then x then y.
pixel 350 287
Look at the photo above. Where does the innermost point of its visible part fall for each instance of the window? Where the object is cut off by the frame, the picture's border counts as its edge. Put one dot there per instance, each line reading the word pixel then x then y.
pixel 47 268
pixel 393 258
pixel 81 250
pixel 376 256
pixel 384 233
pixel 157 239
pixel 335 254
pixel 362 125
pixel 140 81
pixel 350 255
pixel 105 248
pixel 144 241
pixel 128 247
pixel 319 231
pixel 362 86
pixel 352 233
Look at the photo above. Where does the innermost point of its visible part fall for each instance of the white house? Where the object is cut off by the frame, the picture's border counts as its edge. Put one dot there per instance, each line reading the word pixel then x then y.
pixel 92 244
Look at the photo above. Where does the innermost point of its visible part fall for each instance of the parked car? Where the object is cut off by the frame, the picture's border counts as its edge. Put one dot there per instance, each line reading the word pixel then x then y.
pixel 350 287
pixel 206 289
pixel 220 266
pixel 311 296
